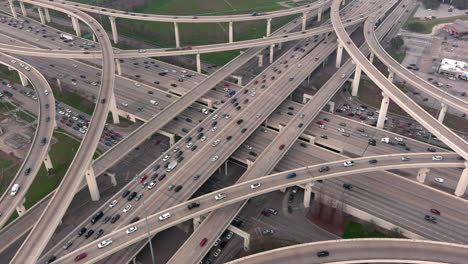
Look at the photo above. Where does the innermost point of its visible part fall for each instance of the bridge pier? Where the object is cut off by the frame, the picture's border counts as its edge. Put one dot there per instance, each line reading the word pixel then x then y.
pixel 443 111
pixel 332 106
pixel 41 15
pixel 198 63
pixel 238 78
pixel 231 32
pixel 24 80
pixel 243 234
pixel 20 209
pixel 47 15
pixel 304 21
pixel 462 182
pixel 371 57
pixel 249 163
pixel 118 67
pixel 306 98
pixel 76 26
pixel 12 8
pixel 319 14
pixel 383 111
pixel 113 109
pixel 268 31
pixel 115 34
pixel 23 9
pixel 391 75
pixel 169 135
pixel 94 38
pixel 339 54
pixel 307 194
pixel 92 184
pixel 260 60
pixel 177 37
pixel 48 162
pixel 422 173
pixel 112 178
pixel 271 52
pixel 280 45
pixel 197 222
pixel 357 79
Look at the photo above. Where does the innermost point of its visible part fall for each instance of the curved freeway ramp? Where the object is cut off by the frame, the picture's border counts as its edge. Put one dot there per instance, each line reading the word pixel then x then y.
pixel 409 77
pixel 364 250
pixel 37 239
pixel 409 106
pixel 40 143
pixel 243 191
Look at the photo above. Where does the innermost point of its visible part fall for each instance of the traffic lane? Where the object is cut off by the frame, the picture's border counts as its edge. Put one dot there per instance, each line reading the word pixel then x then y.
pixel 363 250
pixel 243 191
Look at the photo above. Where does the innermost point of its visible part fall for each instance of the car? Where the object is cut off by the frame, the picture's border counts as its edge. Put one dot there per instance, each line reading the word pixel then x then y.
pixel 162 177
pixel 189 145
pixel 67 244
pixel 178 188
pixel 439 180
pixel 430 218
pixel 348 163
pixel 203 242
pixel 216 142
pixel 431 149
pixel 131 230
pixel 347 186
pixel 51 259
pixel 324 168
pixel 96 217
pixel 323 253
pixel 90 233
pixel 136 219
pixel 281 147
pixel 437 158
pixel 193 205
pixel 268 232
pixel 137 84
pixel 229 235
pixel 106 219
pixel 98 233
pixel 215 158
pixel 265 213
pixel 115 218
pixel 80 257
pixel 164 216
pixel 272 211
pixel 143 179
pixel 220 196
pixel 405 158
pixel 82 231
pixel 124 194
pixel 255 185
pixel 216 243
pixel 373 161
pixel 171 187
pixel 291 175
pixel 151 185
pixel 104 243
pixel 113 203
pixel 217 252
pixel 139 196
pixel 131 196
pixel 166 157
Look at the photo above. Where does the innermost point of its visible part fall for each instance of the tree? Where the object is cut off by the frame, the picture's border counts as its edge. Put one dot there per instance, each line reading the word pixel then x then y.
pixel 432 4
pixel 460 4
pixel 396 42
pixel 416 27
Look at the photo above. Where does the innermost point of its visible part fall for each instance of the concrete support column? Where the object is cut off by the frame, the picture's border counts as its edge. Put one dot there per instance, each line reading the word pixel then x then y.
pixel 280 127
pixel 169 135
pixel 443 111
pixel 47 15
pixel 391 75
pixel 176 32
pixel 319 14
pixel 280 45
pixel 260 60
pixel 113 109
pixel 115 34
pixel 249 163
pixel 198 63
pixel 371 57
pixel 339 54
pixel 422 173
pixel 306 98
pixel 238 78
pixel 48 162
pixel 112 178
pixel 383 111
pixel 332 106
pixel 243 234
pixel 20 209
pixel 462 182
pixel 55 123
pixel 23 9
pixel 357 79
pixel 231 32
pixel 283 189
pixel 304 21
pixel 41 15
pixel 59 84
pixel 24 80
pixel 76 26
pixel 196 222
pixel 118 67
pixel 12 8
pixel 268 27
pixel 307 194
pixel 271 53
pixel 92 184
pixel 94 38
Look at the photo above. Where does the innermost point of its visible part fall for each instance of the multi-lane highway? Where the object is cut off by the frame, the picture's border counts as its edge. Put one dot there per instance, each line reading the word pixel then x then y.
pixel 243 191
pixel 51 217
pixel 40 143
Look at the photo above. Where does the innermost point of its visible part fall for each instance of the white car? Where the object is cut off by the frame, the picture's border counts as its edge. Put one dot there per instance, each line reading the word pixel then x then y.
pixel 68 110
pixel 141 51
pixel 13 61
pixel 151 185
pixel 439 180
pixel 248 147
pixel 399 139
pixel 124 104
pixel 137 84
pixel 153 102
pixel 164 216
pixel 255 185
pixel 203 138
pixel 229 235
pixel 132 229
pixel 205 111
pixel 227 116
pixel 189 145
pixel 214 117
pixel 217 252
pixel 220 196
pixel 113 203
pixel 323 127
pixel 61 112
pixel 127 208
pixel 348 163
pixel 341 129
pixel 104 243
pixel 215 158
pixel 437 158
pixel 214 129
pixel 166 157
pixel 215 143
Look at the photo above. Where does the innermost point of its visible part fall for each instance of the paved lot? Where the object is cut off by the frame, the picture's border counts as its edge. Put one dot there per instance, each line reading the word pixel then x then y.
pixel 439 13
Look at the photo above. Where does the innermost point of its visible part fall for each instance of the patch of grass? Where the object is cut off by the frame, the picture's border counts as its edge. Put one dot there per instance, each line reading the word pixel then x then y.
pixel 397 55
pixel 4 163
pixel 429 24
pixel 402 87
pixel 269 244
pixel 357 230
pixel 6 106
pixel 25 116
pixel 7 176
pixel 9 75
pixel 74 100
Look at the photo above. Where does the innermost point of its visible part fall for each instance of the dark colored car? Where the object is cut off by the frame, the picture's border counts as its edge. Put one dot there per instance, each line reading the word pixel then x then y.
pixel 99 233
pixel 193 205
pixel 124 194
pixel 96 217
pixel 131 196
pixel 115 218
pixel 135 220
pixel 178 188
pixel 162 177
pixel 80 257
pixel 106 219
pixel 324 168
pixel 90 233
pixel 347 186
pixel 51 259
pixel 372 161
pixel 323 253
pixel 82 231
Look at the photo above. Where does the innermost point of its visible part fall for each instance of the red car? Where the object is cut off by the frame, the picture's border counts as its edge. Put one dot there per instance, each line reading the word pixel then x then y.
pixel 107 133
pixel 263 81
pixel 281 147
pixel 285 62
pixel 143 179
pixel 227 84
pixel 256 82
pixel 157 142
pixel 265 213
pixel 203 242
pixel 319 123
pixel 14 88
pixel 80 257
pixel 350 114
pixel 362 118
pixel 118 135
pixel 435 211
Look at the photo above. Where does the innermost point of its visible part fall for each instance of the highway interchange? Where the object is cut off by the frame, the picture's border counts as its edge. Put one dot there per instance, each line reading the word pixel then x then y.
pixel 294 67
